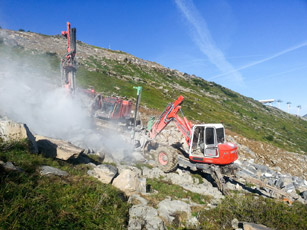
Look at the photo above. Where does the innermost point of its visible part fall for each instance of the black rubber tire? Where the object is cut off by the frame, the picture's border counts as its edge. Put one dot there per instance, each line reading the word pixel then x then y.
pixel 166 158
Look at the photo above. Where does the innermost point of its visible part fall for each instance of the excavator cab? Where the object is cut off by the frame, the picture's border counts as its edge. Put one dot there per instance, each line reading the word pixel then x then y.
pixel 206 139
pixel 208 145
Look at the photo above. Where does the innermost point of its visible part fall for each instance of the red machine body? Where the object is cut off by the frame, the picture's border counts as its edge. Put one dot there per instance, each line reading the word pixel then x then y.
pixel 206 142
pixel 113 108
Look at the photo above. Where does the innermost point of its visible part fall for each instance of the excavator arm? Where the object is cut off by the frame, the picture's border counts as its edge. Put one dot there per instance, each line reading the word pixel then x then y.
pixel 171 114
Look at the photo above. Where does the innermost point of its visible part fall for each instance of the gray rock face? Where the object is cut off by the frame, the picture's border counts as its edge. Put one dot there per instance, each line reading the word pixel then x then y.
pixel 171 210
pixel 59 149
pixel 142 217
pixel 130 181
pixel 304 195
pixel 104 173
pixel 184 179
pixel 48 170
pixel 12 131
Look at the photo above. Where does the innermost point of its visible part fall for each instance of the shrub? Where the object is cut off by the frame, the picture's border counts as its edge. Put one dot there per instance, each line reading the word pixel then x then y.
pixel 269 137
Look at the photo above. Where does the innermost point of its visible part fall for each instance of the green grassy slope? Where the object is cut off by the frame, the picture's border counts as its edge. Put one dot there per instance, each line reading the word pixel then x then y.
pixel 32 201
pixel 205 102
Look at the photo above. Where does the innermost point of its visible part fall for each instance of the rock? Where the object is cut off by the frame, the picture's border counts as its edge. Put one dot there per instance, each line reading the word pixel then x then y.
pixel 104 173
pixel 109 159
pixel 59 149
pixel 289 188
pixel 136 199
pixel 174 211
pixel 10 166
pixel 48 170
pixel 184 179
pixel 304 195
pixel 235 223
pixel 142 217
pixel 262 168
pixel 12 131
pixel 252 226
pixel 152 173
pixel 130 182
pixel 282 182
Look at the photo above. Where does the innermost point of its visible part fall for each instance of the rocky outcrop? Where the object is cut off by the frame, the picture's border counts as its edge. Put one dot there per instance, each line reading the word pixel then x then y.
pixel 143 217
pixel 184 179
pixel 176 212
pixel 12 131
pixel 55 148
pixel 130 181
pixel 105 173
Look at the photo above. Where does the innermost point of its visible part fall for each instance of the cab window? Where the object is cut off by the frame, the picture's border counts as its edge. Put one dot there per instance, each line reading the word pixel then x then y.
pixel 220 135
pixel 209 136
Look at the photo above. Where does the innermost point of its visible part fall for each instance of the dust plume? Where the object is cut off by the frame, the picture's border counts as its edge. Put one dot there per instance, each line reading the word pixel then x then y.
pixel 29 95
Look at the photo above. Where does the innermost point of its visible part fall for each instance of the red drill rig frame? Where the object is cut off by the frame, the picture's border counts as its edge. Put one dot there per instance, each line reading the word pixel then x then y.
pixel 113 108
pixel 68 64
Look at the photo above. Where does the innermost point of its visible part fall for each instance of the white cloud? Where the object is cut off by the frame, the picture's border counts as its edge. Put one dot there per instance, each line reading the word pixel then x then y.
pixel 203 39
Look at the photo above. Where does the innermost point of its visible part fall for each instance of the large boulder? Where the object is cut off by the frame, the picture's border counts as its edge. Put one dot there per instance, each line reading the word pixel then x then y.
pixel 142 217
pixel 130 181
pixel 105 173
pixel 12 131
pixel 59 149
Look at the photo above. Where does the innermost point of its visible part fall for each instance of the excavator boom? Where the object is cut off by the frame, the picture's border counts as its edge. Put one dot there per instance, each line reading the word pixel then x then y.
pixel 171 114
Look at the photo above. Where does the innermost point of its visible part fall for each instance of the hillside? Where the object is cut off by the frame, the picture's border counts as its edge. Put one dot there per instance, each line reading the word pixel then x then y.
pixel 115 72
pixel 60 168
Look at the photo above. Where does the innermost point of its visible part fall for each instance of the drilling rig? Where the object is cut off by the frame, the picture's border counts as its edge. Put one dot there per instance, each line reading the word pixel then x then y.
pixel 68 62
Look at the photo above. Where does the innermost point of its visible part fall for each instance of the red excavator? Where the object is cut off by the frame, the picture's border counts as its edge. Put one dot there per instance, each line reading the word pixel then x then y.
pixel 205 149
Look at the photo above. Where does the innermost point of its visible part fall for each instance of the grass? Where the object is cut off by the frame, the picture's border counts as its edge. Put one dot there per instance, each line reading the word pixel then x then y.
pixel 32 201
pixel 249 208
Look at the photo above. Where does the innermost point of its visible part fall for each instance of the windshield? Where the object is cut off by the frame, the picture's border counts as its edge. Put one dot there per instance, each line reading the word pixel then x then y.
pixel 209 136
pixel 220 135
pixel 107 107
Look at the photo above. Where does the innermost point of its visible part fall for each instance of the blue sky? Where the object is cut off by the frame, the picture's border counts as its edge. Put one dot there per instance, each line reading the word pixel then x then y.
pixel 257 48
